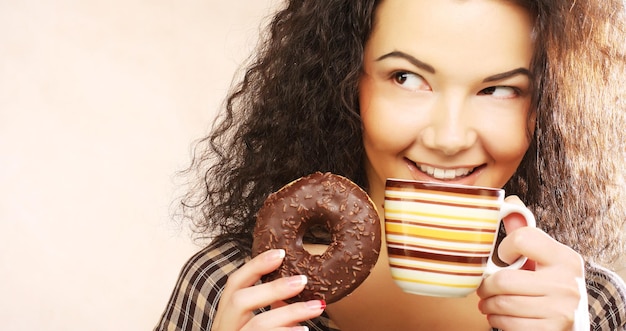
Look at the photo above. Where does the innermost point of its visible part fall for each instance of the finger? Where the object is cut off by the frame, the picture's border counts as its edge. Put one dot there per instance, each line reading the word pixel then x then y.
pixel 263 295
pixel 253 270
pixel 236 310
pixel 246 276
pixel 292 328
pixel 554 282
pixel 514 221
pixel 515 305
pixel 511 282
pixel 541 307
pixel 514 323
pixel 278 304
pixel 290 314
pixel 556 305
pixel 536 245
pixel 511 223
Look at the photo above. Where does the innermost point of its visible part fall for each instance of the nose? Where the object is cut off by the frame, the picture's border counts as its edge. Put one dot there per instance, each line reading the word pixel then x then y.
pixel 450 129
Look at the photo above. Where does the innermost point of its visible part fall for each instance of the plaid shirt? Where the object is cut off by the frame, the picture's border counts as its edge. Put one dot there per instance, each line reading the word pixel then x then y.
pixel 199 288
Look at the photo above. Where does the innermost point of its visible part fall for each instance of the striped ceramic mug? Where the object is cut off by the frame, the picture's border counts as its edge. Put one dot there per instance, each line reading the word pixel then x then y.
pixel 440 237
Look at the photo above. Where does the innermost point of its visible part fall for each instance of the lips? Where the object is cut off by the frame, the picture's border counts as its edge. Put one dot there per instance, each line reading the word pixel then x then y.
pixel 446 174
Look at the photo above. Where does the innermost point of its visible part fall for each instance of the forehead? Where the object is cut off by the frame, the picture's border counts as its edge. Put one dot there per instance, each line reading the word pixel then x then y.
pixel 455 33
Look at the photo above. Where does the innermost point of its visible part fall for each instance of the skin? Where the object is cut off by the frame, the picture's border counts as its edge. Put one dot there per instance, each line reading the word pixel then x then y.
pixel 435 104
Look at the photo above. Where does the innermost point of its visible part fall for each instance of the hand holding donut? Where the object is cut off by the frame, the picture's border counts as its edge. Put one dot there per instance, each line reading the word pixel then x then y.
pixel 241 298
pixel 547 294
pixel 289 272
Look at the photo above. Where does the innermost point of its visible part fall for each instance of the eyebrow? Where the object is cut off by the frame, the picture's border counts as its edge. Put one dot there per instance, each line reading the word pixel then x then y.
pixel 425 66
pixel 508 74
pixel 414 61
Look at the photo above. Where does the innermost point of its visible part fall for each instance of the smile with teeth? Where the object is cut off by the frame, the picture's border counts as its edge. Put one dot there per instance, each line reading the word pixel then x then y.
pixel 445 173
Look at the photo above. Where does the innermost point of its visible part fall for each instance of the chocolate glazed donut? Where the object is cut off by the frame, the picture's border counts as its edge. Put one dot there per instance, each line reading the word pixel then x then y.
pixel 340 206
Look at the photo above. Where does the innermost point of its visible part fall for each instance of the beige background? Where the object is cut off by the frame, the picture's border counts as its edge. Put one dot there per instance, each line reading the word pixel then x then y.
pixel 99 103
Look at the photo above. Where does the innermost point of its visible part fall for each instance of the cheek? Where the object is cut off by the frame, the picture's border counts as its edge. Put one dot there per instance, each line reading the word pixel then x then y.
pixel 507 142
pixel 385 125
pixel 380 130
pixel 505 131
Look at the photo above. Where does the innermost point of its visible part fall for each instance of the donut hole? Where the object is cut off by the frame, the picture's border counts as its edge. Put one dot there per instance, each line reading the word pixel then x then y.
pixel 316 239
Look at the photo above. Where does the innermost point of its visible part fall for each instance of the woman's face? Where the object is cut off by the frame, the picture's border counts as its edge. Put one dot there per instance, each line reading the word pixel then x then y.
pixel 446 91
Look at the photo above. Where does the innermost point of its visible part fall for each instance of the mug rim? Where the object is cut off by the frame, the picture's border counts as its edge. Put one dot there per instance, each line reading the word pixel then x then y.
pixel 440 186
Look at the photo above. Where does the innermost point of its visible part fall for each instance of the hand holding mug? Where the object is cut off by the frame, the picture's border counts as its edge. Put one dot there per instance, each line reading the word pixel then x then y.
pixel 550 293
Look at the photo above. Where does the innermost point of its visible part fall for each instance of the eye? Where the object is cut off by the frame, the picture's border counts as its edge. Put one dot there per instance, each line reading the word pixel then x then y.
pixel 410 81
pixel 501 92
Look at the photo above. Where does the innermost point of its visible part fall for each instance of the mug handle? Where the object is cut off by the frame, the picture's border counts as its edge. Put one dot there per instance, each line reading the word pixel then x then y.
pixel 507 209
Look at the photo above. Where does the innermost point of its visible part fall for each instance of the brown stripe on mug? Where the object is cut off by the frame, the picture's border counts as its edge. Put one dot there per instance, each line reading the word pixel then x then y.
pixel 441 226
pixel 404 253
pixel 454 189
pixel 486 251
pixel 471 274
pixel 441 203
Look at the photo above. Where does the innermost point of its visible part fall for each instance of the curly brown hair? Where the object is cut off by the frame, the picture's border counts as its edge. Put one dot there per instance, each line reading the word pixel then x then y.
pixel 296 112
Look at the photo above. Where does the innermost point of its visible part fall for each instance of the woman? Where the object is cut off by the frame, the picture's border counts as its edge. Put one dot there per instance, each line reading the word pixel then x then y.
pixel 523 95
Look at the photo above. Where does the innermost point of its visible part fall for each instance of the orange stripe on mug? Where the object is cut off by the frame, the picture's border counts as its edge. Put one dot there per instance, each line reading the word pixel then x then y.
pixel 434 233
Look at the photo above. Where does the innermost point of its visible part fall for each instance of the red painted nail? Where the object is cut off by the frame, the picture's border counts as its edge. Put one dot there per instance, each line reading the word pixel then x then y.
pixel 316 304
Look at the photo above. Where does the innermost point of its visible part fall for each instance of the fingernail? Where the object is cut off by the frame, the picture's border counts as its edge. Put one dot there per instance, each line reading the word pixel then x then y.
pixel 275 254
pixel 297 281
pixel 299 328
pixel 316 304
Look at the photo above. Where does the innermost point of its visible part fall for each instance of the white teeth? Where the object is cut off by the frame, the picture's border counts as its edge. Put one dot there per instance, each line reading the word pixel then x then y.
pixel 445 173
